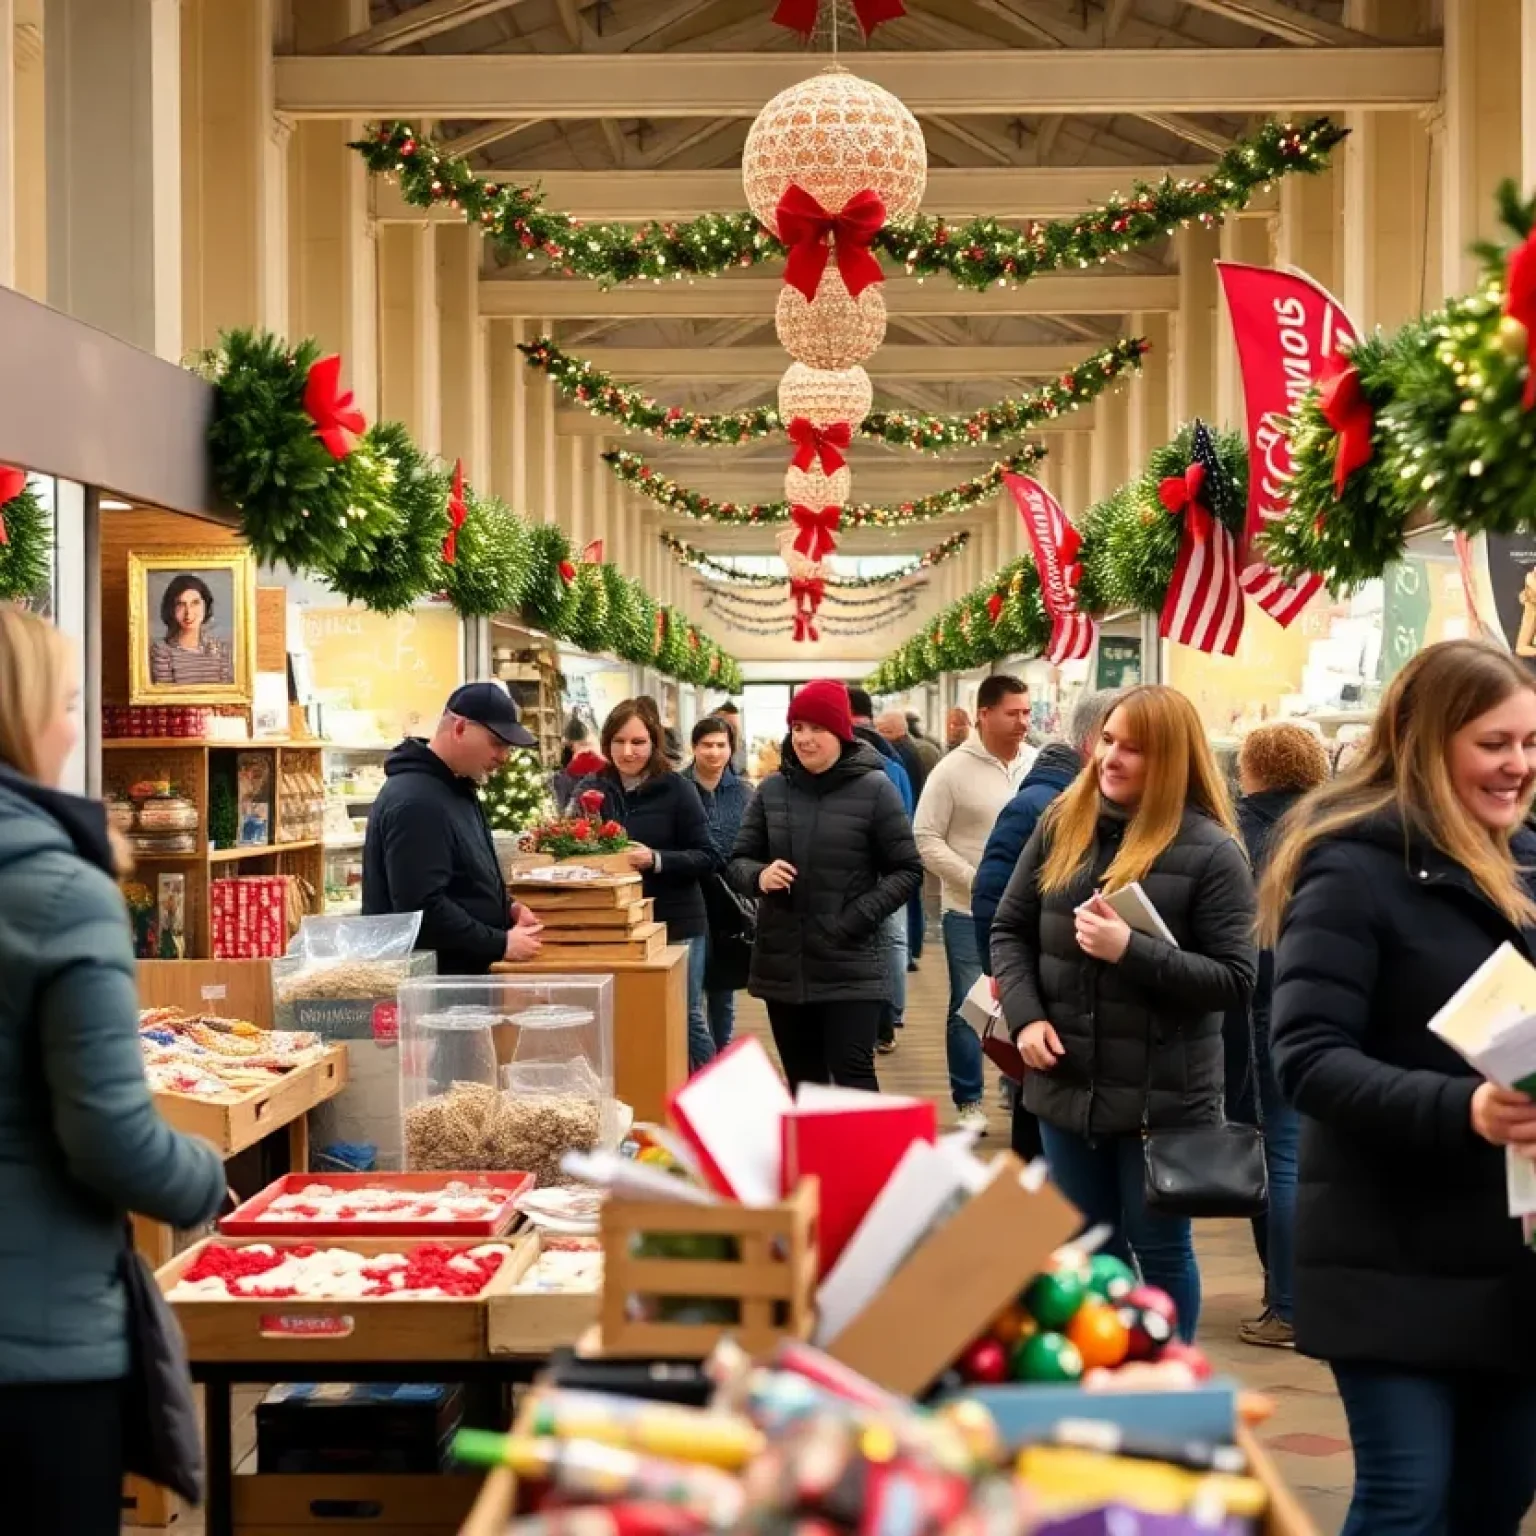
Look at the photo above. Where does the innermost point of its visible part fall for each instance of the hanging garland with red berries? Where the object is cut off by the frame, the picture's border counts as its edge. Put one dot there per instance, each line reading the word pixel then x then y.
pixel 978 254
pixel 26 539
pixel 699 560
pixel 636 411
pixel 633 470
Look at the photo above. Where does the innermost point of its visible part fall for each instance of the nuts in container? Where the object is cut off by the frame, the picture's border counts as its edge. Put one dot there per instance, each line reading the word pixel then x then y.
pixel 476 1126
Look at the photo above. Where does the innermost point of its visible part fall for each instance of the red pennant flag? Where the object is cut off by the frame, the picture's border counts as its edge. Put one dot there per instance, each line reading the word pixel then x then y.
pixel 457 512
pixel 807 228
pixel 593 553
pixel 812 441
pixel 1055 543
pixel 12 483
pixel 338 422
pixel 1286 327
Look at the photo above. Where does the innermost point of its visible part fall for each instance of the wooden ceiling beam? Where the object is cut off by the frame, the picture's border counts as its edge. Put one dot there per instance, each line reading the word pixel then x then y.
pixel 1286 22
pixel 430 19
pixel 996 82
pixel 767 363
pixel 1184 128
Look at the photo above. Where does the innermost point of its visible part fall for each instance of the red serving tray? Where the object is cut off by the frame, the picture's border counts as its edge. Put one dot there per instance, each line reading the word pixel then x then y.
pixel 243 1221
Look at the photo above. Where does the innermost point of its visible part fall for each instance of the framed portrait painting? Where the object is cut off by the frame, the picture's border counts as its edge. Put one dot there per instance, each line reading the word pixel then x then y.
pixel 192 626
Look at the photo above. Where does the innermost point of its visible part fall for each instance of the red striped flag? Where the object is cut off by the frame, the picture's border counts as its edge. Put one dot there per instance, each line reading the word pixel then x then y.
pixel 1204 605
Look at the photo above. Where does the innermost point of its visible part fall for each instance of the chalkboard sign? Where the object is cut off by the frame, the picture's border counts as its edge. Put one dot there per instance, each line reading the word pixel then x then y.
pixel 1406 607
pixel 1119 662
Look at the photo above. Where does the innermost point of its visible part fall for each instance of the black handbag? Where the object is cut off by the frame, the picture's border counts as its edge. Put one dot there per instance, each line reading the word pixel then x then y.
pixel 161 1439
pixel 1205 1170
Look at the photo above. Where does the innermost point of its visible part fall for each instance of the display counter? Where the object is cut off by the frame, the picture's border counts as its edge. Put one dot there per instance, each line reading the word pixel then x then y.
pixel 650 1021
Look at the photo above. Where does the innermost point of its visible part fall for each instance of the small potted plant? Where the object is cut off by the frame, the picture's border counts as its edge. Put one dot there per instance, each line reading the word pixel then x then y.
pixel 583 839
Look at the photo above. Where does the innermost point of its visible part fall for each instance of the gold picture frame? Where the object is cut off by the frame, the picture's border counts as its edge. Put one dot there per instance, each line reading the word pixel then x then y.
pixel 169 591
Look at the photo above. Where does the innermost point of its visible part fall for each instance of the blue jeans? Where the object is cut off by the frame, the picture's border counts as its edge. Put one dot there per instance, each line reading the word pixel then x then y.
pixel 701 1042
pixel 962 1045
pixel 721 1008
pixel 1103 1179
pixel 892 941
pixel 1438 1455
pixel 917 922
pixel 1274 1232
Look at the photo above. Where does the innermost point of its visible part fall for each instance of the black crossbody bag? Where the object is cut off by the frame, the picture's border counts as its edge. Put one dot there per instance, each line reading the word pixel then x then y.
pixel 1206 1170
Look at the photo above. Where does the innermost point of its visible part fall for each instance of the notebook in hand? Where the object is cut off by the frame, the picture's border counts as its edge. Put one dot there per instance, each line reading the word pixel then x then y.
pixel 1135 907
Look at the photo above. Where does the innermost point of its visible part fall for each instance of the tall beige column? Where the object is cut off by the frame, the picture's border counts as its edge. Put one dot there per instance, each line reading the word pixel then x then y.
pixel 1149 397
pixel 29 129
pixel 575 468
pixel 332 292
pixel 1194 359
pixel 502 363
pixel 1528 93
pixel 1011 541
pixel 463 389
pixel 234 172
pixel 8 216
pixel 1078 448
pixel 409 331
pixel 600 497
pixel 1107 451
pixel 1310 234
pixel 990 560
pixel 1483 115
pixel 114 167
pixel 1243 239
pixel 539 413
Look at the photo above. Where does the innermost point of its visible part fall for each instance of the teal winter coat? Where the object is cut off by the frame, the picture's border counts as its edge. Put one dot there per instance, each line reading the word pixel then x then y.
pixel 81 1143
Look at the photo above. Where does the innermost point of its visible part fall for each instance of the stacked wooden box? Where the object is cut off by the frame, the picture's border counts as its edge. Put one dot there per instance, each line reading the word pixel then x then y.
pixel 607 918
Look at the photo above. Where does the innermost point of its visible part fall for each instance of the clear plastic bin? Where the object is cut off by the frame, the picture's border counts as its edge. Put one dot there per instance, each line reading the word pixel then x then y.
pixel 506 1073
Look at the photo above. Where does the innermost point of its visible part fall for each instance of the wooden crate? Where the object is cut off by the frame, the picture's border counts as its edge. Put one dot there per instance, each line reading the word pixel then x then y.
pixel 538 1323
pixel 605 920
pixel 366 1328
pixel 234 989
pixel 647 942
pixel 421 1504
pixel 1285 1516
pixel 611 891
pixel 773 1279
pixel 235 1121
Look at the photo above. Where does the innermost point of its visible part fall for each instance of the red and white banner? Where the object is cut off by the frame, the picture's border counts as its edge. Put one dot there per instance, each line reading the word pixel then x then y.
pixel 593 553
pixel 1055 543
pixel 1288 329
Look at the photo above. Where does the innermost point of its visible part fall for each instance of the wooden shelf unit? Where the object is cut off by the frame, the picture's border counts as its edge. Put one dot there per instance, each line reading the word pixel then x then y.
pixel 189 765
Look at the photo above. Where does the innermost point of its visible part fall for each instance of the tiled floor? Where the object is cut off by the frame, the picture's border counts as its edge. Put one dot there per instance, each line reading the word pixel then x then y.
pixel 1306 1434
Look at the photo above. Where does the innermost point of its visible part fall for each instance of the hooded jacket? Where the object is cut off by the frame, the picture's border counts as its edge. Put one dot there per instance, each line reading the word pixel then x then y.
pixel 1406 1254
pixel 961 802
pixel 667 816
pixel 847 835
pixel 429 850
pixel 894 767
pixel 1142 1037
pixel 81 1143
pixel 1052 772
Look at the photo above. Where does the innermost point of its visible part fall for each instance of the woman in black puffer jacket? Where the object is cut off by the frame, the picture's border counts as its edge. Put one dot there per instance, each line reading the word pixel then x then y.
pixel 669 840
pixel 1411 1277
pixel 1121 1030
pixel 827 846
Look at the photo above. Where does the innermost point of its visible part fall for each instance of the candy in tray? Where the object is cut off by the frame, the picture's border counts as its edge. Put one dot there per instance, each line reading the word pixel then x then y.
pixel 259 1272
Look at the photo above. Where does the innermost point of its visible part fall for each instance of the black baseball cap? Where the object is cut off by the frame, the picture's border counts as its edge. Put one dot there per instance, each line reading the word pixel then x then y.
pixel 490 705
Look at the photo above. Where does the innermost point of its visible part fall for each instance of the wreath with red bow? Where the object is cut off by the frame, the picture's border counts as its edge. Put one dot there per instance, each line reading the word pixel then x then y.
pixel 26 539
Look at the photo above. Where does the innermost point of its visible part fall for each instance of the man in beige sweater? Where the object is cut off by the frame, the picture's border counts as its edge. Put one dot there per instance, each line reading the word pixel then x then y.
pixel 962 799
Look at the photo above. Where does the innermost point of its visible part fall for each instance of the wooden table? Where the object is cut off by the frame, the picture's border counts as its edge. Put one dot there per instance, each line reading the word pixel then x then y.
pixel 650 1021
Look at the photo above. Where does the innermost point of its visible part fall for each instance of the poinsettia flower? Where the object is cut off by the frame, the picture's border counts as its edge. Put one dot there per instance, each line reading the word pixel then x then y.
pixel 581 828
pixel 591 800
pixel 610 829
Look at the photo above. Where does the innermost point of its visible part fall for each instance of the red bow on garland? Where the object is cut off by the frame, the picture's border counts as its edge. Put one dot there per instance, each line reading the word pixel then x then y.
pixel 567 572
pixel 457 512
pixel 1520 304
pixel 815 540
pixel 1349 413
pixel 800 15
pixel 807 593
pixel 338 422
pixel 805 626
pixel 1181 493
pixel 995 606
pixel 12 483
pixel 806 227
pixel 827 442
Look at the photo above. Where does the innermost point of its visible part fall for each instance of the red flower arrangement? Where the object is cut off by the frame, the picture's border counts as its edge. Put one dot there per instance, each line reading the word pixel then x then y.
pixel 577 836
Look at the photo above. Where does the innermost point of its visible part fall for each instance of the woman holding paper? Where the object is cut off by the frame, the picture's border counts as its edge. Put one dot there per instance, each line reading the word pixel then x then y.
pixel 1411 1278
pixel 1122 1029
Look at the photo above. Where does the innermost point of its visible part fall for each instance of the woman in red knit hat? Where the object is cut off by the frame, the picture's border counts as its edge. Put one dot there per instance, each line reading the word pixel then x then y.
pixel 827 847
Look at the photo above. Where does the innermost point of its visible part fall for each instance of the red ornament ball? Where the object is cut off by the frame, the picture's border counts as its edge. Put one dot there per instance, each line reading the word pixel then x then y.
pixel 1147 1332
pixel 984 1363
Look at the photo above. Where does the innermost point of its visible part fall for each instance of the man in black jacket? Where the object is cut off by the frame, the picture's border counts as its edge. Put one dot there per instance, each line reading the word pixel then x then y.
pixel 429 848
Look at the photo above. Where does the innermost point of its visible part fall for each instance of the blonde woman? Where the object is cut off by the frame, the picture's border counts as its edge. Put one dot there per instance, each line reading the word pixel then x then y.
pixel 81 1143
pixel 1120 1030
pixel 1411 1279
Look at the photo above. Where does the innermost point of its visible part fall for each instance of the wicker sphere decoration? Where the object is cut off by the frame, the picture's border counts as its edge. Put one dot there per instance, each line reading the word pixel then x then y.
pixel 834 330
pixel 811 488
pixel 824 397
pixel 835 135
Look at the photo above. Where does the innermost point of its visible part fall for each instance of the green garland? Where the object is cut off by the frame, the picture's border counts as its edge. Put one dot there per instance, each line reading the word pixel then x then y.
pixel 493 559
pixel 390 574
pixel 978 254
pixel 636 411
pixel 633 470
pixel 548 602
pixel 699 560
pixel 1130 545
pixel 26 561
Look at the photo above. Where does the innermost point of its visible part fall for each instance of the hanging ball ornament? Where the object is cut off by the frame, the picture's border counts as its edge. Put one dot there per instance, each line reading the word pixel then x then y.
pixel 1513 337
pixel 811 488
pixel 824 397
pixel 834 330
pixel 835 135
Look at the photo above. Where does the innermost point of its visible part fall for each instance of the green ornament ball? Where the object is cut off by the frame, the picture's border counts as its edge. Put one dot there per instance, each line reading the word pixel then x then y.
pixel 1054 1297
pixel 1046 1357
pixel 1110 1277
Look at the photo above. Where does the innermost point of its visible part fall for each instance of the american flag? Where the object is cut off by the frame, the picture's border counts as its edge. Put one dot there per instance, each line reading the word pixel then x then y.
pixel 1204 605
